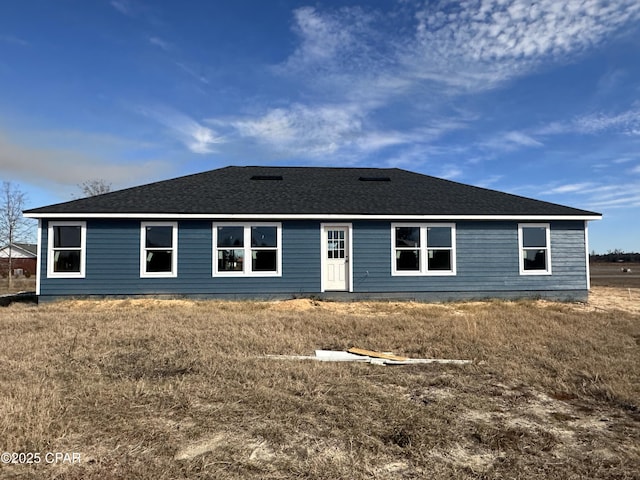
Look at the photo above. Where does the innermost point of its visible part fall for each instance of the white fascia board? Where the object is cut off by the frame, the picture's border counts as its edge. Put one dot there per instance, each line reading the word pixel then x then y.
pixel 306 216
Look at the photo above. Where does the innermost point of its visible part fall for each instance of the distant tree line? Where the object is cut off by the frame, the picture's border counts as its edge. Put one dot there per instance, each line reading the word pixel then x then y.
pixel 616 255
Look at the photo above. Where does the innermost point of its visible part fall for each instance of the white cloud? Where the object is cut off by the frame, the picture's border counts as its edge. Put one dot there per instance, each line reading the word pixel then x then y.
pixel 196 137
pixel 626 122
pixel 488 182
pixel 370 58
pixel 192 72
pixel 622 160
pixel 376 140
pixel 509 141
pixel 609 82
pixel 160 43
pixel 520 138
pixel 321 36
pixel 123 6
pixel 199 139
pixel 416 155
pixel 584 187
pixel 347 54
pixel 343 130
pixel 628 196
pixel 305 130
pixel 596 196
pixel 338 41
pixel 476 44
pixel 553 128
pixel 471 45
pixel 450 172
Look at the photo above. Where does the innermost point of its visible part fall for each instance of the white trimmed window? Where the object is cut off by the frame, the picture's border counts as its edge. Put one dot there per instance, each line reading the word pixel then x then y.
pixel 253 249
pixel 423 249
pixel 158 249
pixel 67 250
pixel 534 240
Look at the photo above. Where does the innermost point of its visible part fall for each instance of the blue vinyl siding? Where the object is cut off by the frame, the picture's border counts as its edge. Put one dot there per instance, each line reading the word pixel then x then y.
pixel 113 264
pixel 487 263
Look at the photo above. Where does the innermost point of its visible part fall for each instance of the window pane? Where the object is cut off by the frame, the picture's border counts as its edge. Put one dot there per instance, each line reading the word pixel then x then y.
pixel 407 236
pixel 230 236
pixel 159 237
pixel 230 260
pixel 439 260
pixel 335 248
pixel 159 261
pixel 407 259
pixel 263 260
pixel 66 236
pixel 534 237
pixel 439 236
pixel 332 246
pixel 264 237
pixel 535 259
pixel 66 261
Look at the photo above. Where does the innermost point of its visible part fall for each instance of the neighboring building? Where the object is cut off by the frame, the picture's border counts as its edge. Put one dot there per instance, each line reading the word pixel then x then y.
pixel 280 232
pixel 23 259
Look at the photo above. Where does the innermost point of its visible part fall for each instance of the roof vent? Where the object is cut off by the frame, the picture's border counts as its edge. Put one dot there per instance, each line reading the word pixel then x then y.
pixel 374 179
pixel 266 177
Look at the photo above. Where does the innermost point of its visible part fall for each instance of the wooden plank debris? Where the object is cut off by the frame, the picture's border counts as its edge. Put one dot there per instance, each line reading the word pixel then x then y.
pixel 374 354
pixel 349 356
pixel 339 356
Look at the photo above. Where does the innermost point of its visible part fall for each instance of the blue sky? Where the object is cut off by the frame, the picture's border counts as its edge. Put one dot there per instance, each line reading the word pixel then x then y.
pixel 539 100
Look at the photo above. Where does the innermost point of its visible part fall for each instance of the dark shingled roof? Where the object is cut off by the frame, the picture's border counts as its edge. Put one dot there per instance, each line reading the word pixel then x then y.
pixel 310 190
pixel 28 247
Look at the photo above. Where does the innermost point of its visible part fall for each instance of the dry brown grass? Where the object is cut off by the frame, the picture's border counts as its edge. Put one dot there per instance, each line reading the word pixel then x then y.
pixel 156 389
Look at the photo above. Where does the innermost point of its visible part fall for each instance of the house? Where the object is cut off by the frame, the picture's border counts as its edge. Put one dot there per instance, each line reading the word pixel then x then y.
pixel 280 232
pixel 23 259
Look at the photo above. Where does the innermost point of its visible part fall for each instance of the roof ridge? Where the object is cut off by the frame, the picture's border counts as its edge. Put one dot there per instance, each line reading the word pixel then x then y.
pixel 307 167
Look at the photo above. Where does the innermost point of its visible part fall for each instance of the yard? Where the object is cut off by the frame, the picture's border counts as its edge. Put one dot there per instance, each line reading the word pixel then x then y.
pixel 152 389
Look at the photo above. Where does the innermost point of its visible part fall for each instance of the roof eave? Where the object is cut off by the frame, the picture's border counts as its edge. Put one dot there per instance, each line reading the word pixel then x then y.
pixel 587 216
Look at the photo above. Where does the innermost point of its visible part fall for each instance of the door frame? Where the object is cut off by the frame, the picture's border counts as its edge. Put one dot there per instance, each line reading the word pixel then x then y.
pixel 348 253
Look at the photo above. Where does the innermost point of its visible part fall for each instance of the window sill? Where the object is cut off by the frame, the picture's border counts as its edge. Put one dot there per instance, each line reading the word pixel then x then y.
pixel 534 273
pixel 159 275
pixel 244 275
pixel 424 274
pixel 65 275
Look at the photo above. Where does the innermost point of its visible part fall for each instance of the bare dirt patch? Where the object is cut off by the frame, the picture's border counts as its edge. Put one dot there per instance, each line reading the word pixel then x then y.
pixel 602 298
pixel 611 298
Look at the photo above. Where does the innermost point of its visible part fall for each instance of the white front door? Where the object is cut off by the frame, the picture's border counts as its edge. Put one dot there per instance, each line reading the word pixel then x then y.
pixel 335 257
